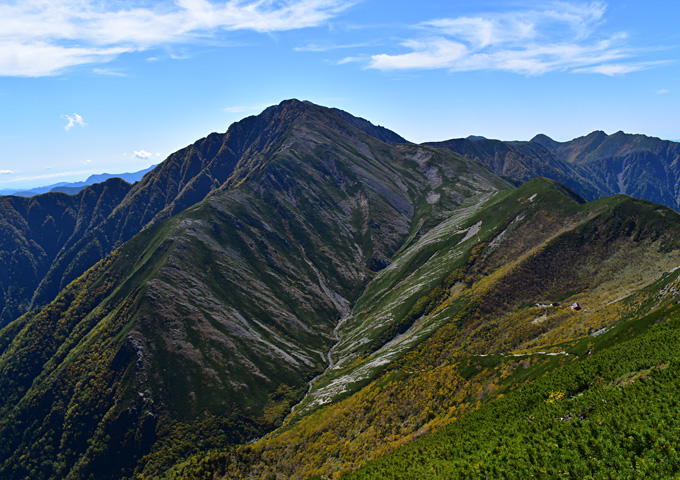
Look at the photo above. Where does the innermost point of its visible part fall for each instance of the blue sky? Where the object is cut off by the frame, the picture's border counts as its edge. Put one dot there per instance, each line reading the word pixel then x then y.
pixel 117 85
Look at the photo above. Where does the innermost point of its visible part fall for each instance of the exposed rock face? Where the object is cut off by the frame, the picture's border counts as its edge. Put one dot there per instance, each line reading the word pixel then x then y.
pixel 49 240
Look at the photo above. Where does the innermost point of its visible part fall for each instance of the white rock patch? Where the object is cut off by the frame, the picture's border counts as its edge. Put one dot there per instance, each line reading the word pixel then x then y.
pixel 433 197
pixel 471 232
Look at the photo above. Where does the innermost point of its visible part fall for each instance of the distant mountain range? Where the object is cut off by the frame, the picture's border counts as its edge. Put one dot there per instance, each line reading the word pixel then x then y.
pixel 72 188
pixel 308 292
pixel 596 165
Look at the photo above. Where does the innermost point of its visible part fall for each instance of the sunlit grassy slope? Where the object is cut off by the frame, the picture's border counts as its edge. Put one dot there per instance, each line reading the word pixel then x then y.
pixel 613 413
pixel 453 325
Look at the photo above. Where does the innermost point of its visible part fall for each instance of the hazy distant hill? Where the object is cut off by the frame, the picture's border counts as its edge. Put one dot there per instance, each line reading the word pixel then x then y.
pixel 74 187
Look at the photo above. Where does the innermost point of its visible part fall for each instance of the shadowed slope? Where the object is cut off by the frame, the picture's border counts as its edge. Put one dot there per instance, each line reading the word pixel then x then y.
pixel 34 231
pixel 596 165
pixel 45 251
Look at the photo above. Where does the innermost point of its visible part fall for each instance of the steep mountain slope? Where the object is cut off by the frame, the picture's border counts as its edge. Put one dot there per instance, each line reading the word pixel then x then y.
pixel 463 316
pixel 595 166
pixel 205 327
pixel 33 232
pixel 183 179
pixel 376 131
pixel 636 165
pixel 298 297
pixel 522 161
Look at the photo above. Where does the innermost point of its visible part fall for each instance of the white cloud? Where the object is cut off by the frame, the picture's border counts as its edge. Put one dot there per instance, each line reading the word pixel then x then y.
pixel 6 172
pixel 141 154
pixel 614 69
pixel 40 37
pixel 73 120
pixel 560 36
pixel 435 52
pixel 347 60
pixel 39 58
pixel 663 91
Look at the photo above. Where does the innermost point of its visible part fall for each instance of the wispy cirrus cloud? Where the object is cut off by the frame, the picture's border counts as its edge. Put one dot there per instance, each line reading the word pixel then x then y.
pixel 39 58
pixel 6 172
pixel 613 69
pixel 40 38
pixel 73 120
pixel 559 36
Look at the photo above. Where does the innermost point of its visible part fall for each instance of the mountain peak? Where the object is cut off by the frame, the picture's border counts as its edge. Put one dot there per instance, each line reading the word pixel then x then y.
pixel 597 134
pixel 545 141
pixel 293 108
pixel 306 243
pixel 289 103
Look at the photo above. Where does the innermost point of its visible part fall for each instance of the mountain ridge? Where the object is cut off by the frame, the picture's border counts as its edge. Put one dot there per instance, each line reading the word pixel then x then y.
pixel 306 258
pixel 185 178
pixel 595 165
pixel 480 317
pixel 226 309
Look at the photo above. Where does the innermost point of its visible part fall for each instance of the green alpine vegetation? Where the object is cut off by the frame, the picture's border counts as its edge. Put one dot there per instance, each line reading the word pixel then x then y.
pixel 309 295
pixel 611 414
pixel 494 313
